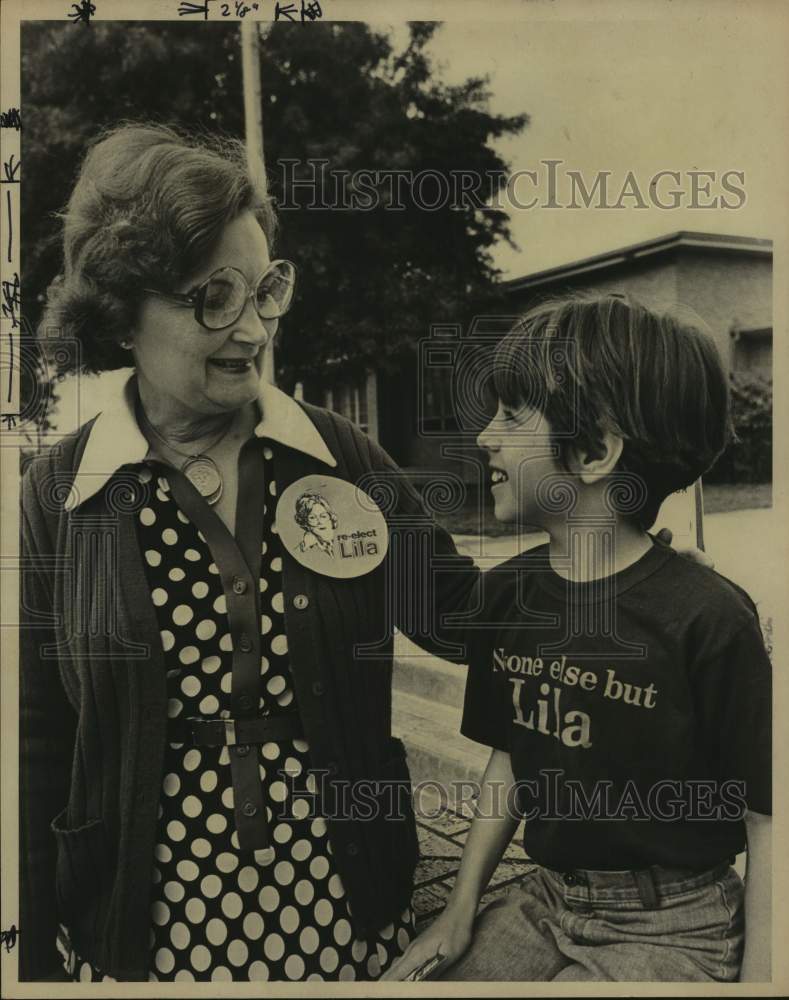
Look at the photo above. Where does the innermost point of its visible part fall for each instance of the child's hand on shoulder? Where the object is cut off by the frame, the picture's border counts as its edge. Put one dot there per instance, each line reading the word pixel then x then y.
pixel 448 936
pixel 691 552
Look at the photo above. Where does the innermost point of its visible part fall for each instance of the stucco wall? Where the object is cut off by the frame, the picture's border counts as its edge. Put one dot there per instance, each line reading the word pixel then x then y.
pixel 726 289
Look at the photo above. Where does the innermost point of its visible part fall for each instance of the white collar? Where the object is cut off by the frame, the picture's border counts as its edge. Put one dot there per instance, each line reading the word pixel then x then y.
pixel 115 439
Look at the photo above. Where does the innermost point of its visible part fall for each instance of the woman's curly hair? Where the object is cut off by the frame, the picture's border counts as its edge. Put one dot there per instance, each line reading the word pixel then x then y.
pixel 304 505
pixel 149 205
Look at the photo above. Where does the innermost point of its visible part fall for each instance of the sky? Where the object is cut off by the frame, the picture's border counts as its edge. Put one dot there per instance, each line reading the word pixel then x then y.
pixel 696 91
pixel 630 95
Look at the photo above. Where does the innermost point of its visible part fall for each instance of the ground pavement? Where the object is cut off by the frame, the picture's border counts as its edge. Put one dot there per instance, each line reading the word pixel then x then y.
pixel 441 840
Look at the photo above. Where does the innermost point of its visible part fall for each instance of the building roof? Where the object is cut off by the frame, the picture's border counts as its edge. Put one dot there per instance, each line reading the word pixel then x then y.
pixel 638 251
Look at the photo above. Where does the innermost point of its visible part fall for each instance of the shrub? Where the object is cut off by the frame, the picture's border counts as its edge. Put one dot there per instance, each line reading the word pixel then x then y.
pixel 749 456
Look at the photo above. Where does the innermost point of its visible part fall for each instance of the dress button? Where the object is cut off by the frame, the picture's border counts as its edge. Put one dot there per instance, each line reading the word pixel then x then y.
pixel 570 879
pixel 245 643
pixel 301 601
pixel 239 585
pixel 245 702
pixel 249 809
pixel 333 768
pixel 352 850
pixel 318 688
pixel 241 750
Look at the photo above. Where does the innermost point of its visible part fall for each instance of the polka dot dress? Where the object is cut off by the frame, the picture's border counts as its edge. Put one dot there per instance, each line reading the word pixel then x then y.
pixel 218 913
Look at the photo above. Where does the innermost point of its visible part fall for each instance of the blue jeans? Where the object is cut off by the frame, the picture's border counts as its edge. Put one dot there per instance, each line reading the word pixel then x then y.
pixel 661 925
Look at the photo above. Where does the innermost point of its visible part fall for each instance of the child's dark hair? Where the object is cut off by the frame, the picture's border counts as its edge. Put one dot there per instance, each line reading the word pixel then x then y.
pixel 607 363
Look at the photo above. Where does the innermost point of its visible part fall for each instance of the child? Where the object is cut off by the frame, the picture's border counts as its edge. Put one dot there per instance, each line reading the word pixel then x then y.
pixel 624 691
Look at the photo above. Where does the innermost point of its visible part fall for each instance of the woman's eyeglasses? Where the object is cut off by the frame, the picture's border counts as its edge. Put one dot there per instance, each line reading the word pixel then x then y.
pixel 222 297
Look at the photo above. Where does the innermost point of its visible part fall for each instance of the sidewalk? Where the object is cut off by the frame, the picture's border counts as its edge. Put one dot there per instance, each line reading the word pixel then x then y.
pixel 441 843
pixel 741 543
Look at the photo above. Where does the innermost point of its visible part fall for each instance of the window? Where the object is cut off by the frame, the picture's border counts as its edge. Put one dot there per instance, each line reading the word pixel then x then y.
pixel 752 351
pixel 350 400
pixel 438 412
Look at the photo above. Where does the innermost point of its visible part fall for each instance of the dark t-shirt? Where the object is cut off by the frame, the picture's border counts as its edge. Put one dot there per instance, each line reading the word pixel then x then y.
pixel 636 710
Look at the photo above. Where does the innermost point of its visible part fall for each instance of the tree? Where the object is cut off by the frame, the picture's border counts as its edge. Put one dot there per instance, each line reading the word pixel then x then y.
pixel 370 281
pixel 748 457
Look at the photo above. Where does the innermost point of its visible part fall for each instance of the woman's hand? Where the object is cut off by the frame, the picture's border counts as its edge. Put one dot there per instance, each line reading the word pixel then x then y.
pixel 689 553
pixel 449 936
pixel 492 829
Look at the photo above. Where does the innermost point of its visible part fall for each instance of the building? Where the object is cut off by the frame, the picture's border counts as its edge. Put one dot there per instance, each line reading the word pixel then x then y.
pixel 727 280
pixel 425 417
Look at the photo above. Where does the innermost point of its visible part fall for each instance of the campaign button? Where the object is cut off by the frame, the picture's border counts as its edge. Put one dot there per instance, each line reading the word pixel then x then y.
pixel 332 527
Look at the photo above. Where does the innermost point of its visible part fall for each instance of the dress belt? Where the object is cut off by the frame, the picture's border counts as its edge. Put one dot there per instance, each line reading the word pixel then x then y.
pixel 218 732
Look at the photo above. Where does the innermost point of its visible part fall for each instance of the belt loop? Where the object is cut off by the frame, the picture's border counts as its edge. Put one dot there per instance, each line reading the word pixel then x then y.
pixel 647 890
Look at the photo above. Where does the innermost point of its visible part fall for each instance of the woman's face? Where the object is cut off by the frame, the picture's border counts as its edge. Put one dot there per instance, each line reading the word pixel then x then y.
pixel 319 521
pixel 183 369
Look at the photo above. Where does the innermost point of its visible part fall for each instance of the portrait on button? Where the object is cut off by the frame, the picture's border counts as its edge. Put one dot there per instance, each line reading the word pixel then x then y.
pixel 315 517
pixel 331 527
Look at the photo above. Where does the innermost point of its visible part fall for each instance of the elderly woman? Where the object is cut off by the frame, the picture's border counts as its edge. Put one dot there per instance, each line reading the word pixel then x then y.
pixel 196 700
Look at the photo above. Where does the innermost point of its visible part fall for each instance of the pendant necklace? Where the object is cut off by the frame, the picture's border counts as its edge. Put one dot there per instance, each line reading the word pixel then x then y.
pixel 201 470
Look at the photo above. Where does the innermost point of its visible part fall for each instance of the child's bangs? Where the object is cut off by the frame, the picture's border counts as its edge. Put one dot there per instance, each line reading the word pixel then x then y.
pixel 522 374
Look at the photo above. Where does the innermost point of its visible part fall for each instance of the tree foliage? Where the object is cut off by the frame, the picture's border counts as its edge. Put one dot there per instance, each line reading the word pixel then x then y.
pixel 370 282
pixel 748 457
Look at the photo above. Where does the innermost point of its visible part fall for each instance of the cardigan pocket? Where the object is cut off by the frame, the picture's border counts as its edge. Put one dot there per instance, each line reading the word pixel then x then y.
pixel 83 880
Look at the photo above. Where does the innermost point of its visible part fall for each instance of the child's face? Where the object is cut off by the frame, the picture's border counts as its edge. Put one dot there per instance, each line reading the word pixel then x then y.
pixel 521 455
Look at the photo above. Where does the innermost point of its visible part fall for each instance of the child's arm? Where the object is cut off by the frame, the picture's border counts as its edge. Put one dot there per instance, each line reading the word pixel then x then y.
pixel 758 900
pixel 491 832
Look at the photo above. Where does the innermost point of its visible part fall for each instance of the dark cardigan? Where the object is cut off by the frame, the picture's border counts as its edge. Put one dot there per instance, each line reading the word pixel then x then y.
pixel 93 698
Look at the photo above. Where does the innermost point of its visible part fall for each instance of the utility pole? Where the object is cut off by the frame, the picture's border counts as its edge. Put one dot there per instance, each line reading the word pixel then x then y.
pixel 253 99
pixel 253 124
